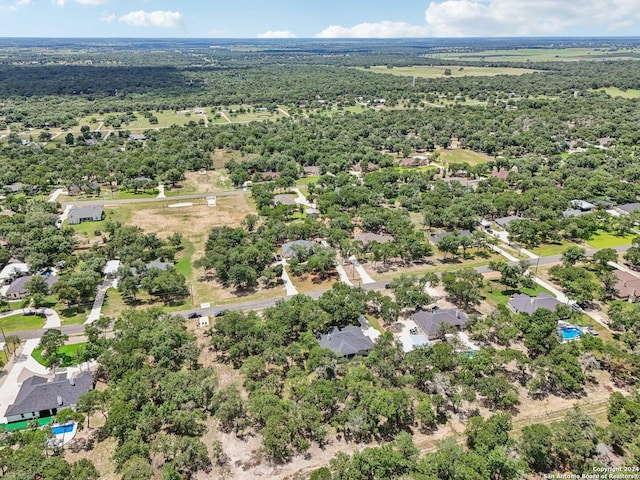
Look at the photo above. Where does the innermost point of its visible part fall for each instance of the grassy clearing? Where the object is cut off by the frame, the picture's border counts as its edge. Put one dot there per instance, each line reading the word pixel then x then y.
pixel 121 213
pixel 308 180
pixel 113 304
pixel 17 323
pixel 542 55
pixel 548 249
pixel 456 71
pixel 67 352
pixel 74 315
pixel 375 323
pixel 604 239
pixel 616 92
pixel 184 265
pixel 462 155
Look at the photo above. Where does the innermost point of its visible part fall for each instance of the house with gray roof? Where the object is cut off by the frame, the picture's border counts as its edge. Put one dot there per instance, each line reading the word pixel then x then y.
pixel 346 342
pixel 18 288
pixel 521 303
pixel 505 221
pixel 582 205
pixel 368 237
pixel 628 208
pixel 86 213
pixel 288 250
pixel 430 321
pixel 160 265
pixel 39 397
pixel 440 235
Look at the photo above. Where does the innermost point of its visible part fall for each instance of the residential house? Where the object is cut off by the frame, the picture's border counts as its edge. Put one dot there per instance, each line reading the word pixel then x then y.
pixel 138 137
pixel 627 285
pixel 288 250
pixel 12 271
pixel 18 288
pixel 312 212
pixel 501 174
pixel 430 322
pixel 160 265
pixel 521 303
pixel 267 176
pixel 311 170
pixel 505 221
pixel 627 208
pixel 368 237
pixel 41 398
pixel 582 205
pixel 87 213
pixel 440 235
pixel 346 342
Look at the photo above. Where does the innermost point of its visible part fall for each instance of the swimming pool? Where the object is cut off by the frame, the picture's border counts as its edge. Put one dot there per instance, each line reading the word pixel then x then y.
pixel 60 429
pixel 570 333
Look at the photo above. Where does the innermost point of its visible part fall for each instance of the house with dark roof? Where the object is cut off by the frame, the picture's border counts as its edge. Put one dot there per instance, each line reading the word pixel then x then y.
pixel 86 213
pixel 346 342
pixel 41 398
pixel 18 288
pixel 521 303
pixel 138 137
pixel 430 321
pixel 574 212
pixel 288 250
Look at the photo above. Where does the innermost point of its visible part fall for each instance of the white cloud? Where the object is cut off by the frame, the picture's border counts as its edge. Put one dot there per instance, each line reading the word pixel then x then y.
pixel 501 18
pixel 468 18
pixel 384 29
pixel 159 18
pixel 277 34
pixel 13 6
pixel 62 3
pixel 108 17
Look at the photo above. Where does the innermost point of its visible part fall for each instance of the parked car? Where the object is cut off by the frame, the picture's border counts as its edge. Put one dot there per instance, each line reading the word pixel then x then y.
pixel 193 315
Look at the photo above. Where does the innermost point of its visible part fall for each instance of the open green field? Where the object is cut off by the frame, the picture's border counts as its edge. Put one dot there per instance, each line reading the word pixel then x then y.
pixel 604 239
pixel 461 155
pixel 542 55
pixel 17 323
pixel 67 352
pixel 548 249
pixel 616 92
pixel 456 71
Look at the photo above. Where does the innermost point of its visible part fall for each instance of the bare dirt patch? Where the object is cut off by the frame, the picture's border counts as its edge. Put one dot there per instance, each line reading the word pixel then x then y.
pixel 192 221
pixel 205 181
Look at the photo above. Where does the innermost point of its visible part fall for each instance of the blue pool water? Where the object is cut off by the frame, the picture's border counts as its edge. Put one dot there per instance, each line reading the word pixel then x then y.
pixel 570 333
pixel 60 429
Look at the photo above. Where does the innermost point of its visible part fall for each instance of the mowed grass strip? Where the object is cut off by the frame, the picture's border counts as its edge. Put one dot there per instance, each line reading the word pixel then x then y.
pixel 462 155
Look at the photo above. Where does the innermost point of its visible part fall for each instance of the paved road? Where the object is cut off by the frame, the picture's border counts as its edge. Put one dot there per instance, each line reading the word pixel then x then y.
pixel 269 302
pixel 122 201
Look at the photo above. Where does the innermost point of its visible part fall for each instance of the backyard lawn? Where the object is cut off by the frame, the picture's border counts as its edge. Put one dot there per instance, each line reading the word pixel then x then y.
pixel 67 352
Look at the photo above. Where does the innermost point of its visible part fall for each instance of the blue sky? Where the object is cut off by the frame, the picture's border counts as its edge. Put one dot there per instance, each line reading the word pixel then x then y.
pixel 313 18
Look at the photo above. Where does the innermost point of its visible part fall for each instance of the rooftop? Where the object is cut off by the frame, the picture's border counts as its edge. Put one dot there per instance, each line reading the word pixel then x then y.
pixel 430 321
pixel 346 342
pixel 521 303
pixel 288 249
pixel 37 394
